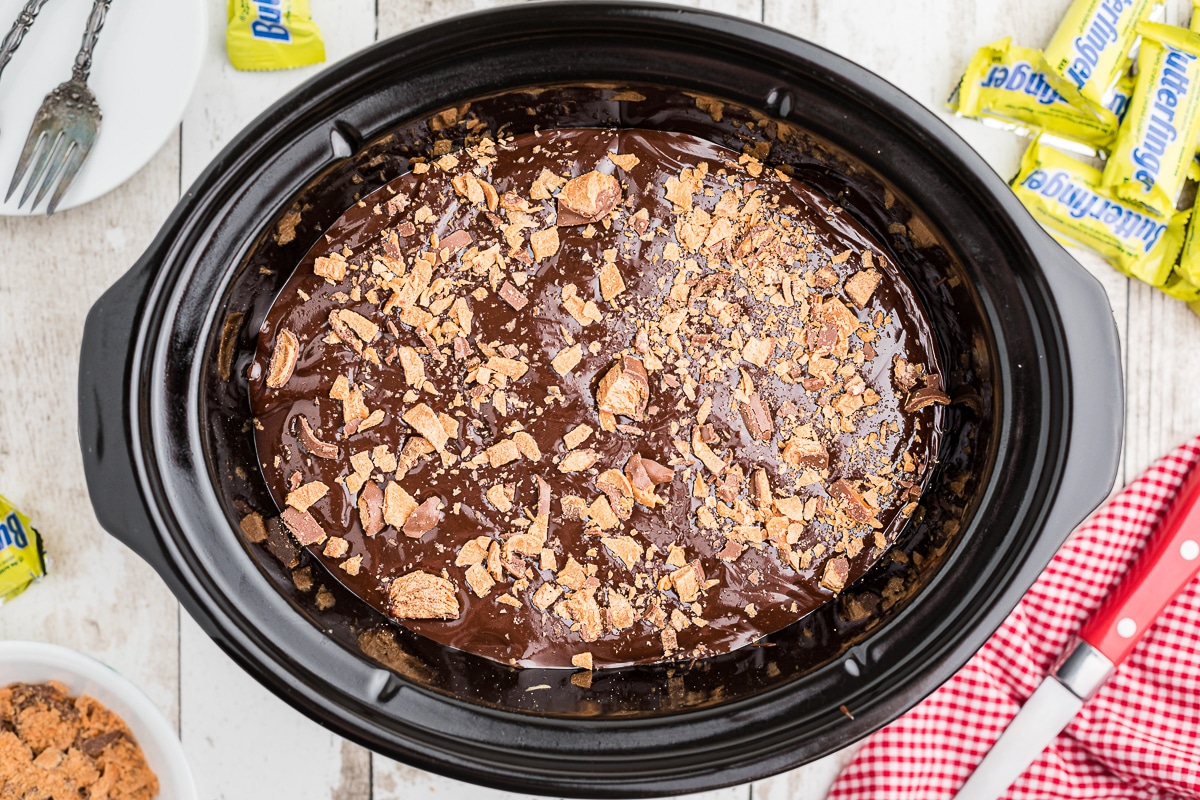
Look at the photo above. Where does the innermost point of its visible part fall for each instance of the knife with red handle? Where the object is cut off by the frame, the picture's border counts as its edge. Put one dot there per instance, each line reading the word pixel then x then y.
pixel 1167 564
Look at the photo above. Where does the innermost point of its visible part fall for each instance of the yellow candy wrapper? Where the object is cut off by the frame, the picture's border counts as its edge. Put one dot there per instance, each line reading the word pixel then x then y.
pixel 1064 195
pixel 1194 25
pixel 1189 260
pixel 1008 84
pixel 22 560
pixel 1180 288
pixel 272 34
pixel 1157 140
pixel 1088 51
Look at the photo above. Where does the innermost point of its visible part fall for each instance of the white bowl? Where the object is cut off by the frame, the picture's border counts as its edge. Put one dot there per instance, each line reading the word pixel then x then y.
pixel 36 662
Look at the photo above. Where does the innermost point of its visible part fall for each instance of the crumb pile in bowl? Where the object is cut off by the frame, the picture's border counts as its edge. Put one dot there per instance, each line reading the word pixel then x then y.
pixel 54 745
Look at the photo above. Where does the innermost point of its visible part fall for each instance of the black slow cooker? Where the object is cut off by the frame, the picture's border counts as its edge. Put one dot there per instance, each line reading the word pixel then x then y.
pixel 1031 442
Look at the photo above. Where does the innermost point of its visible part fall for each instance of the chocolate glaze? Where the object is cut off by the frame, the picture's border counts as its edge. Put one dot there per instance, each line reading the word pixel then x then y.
pixel 528 636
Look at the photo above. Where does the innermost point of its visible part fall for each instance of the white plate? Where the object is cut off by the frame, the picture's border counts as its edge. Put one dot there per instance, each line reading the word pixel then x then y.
pixel 144 67
pixel 35 662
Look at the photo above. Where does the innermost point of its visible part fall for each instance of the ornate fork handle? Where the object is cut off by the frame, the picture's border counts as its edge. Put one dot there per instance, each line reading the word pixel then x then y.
pixel 83 61
pixel 19 28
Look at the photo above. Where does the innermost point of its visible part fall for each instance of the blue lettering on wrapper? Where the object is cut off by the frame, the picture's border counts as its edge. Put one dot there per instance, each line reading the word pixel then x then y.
pixel 1100 34
pixel 1022 77
pixel 12 532
pixel 1119 104
pixel 263 30
pixel 1172 88
pixel 269 24
pixel 1080 200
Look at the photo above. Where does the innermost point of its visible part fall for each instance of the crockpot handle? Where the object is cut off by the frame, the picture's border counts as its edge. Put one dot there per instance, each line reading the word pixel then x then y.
pixel 105 435
pixel 1097 399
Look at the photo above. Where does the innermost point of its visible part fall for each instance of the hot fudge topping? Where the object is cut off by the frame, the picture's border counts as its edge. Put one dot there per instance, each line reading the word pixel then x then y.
pixel 592 398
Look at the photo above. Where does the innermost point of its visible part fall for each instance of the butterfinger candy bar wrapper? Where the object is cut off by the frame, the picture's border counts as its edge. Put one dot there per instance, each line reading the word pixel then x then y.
pixel 1089 50
pixel 1008 86
pixel 272 34
pixel 22 560
pixel 1064 195
pixel 1157 140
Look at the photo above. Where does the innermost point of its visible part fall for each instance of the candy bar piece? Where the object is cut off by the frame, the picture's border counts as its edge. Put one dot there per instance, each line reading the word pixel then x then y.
pixel 588 198
pixel 425 422
pixel 624 548
pixel 419 595
pixel 336 547
pixel 861 285
pixel 576 436
pixel 1089 49
pixel 304 496
pixel 370 508
pixel 544 243
pixel 457 240
pixel 331 267
pixel 624 390
pixel 611 282
pixel 926 396
pixel 501 495
pixel 397 505
pixel 512 295
pixel 424 518
pixel 312 444
pixel 625 161
pixel 757 417
pixel 253 527
pixel 1157 140
pixel 283 359
pixel 837 570
pixel 758 351
pixel 578 460
pixel 617 489
pixel 303 526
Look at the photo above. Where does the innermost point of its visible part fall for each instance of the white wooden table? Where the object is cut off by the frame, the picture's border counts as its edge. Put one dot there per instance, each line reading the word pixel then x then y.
pixel 103 600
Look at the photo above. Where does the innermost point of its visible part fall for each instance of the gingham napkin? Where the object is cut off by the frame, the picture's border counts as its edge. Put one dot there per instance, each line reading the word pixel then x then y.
pixel 1139 737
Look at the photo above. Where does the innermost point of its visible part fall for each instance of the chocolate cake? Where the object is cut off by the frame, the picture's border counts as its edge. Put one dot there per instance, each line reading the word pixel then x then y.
pixel 594 398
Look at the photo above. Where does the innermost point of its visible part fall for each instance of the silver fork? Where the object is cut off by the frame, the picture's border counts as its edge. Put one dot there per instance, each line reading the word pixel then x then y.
pixel 64 128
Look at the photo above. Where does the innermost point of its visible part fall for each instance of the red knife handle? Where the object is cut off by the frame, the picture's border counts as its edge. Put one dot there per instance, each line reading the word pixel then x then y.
pixel 1165 566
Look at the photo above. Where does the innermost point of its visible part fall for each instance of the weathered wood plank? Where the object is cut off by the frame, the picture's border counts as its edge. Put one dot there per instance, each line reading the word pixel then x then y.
pixel 243 742
pixel 1163 360
pixel 226 100
pixel 1162 378
pixel 99 597
pixel 810 782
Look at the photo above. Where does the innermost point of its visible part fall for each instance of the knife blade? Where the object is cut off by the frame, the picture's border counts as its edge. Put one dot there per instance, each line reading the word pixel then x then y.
pixel 1167 563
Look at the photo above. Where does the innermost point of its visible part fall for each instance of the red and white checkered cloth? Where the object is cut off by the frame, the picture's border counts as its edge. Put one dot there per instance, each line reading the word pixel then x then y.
pixel 1139 737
